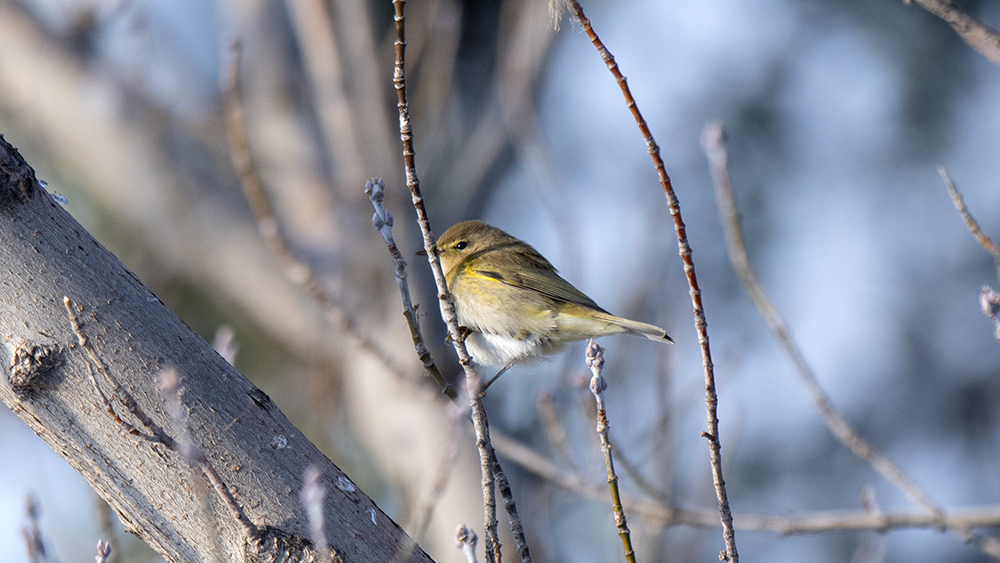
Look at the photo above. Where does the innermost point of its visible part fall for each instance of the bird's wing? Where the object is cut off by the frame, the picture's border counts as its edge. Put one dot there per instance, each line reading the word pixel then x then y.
pixel 545 281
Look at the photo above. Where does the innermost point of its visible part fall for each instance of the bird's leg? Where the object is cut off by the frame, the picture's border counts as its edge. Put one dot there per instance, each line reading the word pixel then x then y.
pixel 463 333
pixel 482 392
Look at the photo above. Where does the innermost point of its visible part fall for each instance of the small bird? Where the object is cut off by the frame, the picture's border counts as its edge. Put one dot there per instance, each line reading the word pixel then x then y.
pixel 512 301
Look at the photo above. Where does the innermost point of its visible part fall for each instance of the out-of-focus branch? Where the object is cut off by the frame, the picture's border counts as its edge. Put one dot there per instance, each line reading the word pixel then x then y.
pixel 700 321
pixel 713 140
pixel 367 79
pixel 181 221
pixel 34 542
pixel 970 221
pixel 314 31
pixel 978 35
pixel 260 203
pixel 666 515
pixel 466 540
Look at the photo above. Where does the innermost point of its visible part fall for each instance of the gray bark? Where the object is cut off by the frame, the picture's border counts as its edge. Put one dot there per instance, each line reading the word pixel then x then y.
pixel 143 459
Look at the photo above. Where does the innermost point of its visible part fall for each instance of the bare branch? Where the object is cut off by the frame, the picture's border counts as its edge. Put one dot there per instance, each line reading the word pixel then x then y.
pixel 700 321
pixel 126 336
pixel 473 380
pixel 978 35
pixel 970 221
pixel 795 524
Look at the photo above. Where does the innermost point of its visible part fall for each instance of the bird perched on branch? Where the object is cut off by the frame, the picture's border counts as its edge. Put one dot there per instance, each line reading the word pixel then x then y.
pixel 514 304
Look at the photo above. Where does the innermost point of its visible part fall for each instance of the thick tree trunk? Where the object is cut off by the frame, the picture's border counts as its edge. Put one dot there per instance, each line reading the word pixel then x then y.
pixel 84 345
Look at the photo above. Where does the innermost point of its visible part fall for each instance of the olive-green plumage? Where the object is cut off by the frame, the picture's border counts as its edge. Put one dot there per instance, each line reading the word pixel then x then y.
pixel 513 301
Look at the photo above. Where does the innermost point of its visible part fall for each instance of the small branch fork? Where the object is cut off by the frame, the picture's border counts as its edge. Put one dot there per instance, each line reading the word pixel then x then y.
pixel 713 140
pixel 153 432
pixel 701 323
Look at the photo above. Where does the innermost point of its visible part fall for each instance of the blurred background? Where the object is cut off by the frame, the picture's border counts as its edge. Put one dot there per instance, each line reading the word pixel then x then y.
pixel 837 114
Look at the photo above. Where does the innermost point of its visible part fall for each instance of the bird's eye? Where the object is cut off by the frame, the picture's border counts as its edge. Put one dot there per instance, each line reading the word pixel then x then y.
pixel 461 245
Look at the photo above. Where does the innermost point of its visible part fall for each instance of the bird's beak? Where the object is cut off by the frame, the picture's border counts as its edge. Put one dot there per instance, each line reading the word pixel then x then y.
pixel 421 253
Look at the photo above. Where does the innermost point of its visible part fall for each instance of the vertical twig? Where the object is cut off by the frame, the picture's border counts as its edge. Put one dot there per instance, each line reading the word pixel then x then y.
pixel 106 528
pixel 382 220
pixel 700 322
pixel 595 361
pixel 473 381
pixel 33 541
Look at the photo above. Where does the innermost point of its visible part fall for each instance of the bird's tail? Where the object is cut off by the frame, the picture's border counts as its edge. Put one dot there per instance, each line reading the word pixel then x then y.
pixel 651 332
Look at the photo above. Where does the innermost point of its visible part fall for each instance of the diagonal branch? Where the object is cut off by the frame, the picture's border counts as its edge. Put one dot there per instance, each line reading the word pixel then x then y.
pixel 975 33
pixel 970 221
pixel 47 254
pixel 714 143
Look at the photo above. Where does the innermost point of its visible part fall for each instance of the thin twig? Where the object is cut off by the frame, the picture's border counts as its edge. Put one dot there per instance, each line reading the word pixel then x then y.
pixel 871 547
pixel 169 385
pixel 314 27
pixel 700 322
pixel 714 143
pixel 595 361
pixel 507 496
pixel 970 221
pixel 382 221
pixel 473 381
pixel 637 477
pixel 106 528
pixel 989 299
pixel 975 33
pixel 554 429
pixel 422 518
pixel 458 417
